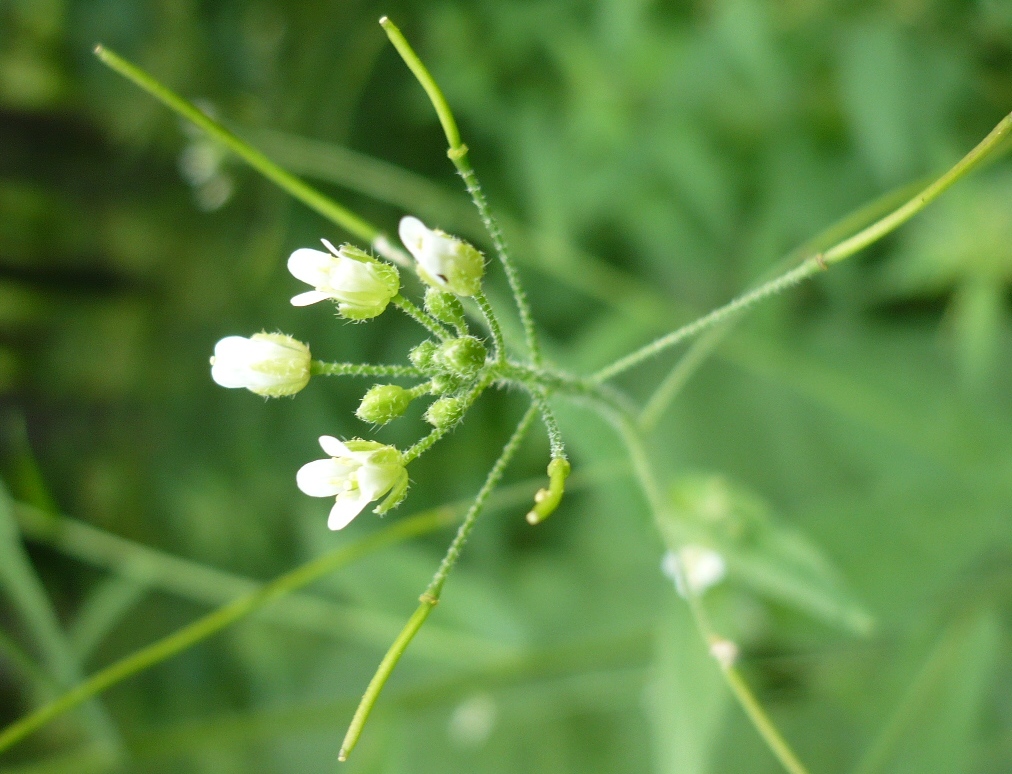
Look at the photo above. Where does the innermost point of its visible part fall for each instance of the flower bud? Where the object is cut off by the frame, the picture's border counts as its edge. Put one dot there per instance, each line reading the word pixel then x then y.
pixel 444 383
pixel 383 403
pixel 422 355
pixel 446 308
pixel 444 262
pixel 445 412
pixel 361 285
pixel 464 356
pixel 269 364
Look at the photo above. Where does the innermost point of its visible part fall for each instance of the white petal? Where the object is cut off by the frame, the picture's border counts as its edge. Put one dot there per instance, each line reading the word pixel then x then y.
pixel 348 506
pixel 322 478
pixel 310 266
pixel 232 348
pixel 329 246
pixel 375 480
pixel 334 447
pixel 309 297
pixel 413 234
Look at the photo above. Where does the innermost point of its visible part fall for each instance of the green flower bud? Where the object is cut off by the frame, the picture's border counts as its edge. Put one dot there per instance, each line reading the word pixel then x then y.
pixel 422 355
pixel 383 403
pixel 444 383
pixel 446 308
pixel 464 356
pixel 445 412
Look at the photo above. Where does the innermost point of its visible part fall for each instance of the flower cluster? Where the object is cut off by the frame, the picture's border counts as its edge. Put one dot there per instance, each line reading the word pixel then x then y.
pixel 450 362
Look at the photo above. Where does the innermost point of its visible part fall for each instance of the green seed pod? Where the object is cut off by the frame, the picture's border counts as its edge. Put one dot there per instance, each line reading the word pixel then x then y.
pixel 383 403
pixel 446 308
pixel 464 356
pixel 422 355
pixel 445 412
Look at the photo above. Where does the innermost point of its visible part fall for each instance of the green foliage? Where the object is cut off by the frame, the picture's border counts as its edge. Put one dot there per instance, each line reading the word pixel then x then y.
pixel 648 161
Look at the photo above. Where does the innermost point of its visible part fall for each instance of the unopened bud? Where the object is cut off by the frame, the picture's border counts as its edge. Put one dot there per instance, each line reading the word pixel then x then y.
pixel 269 364
pixel 445 412
pixel 445 307
pixel 444 383
pixel 464 356
pixel 383 403
pixel 422 355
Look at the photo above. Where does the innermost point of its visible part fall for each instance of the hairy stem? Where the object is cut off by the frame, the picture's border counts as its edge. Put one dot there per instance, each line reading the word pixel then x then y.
pixel 430 440
pixel 430 597
pixel 458 155
pixel 823 260
pixel 322 368
pixel 421 317
pixel 493 326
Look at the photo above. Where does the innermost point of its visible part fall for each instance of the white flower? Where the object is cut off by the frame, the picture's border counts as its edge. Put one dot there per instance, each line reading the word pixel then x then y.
pixel 695 566
pixel 269 364
pixel 444 262
pixel 361 285
pixel 357 473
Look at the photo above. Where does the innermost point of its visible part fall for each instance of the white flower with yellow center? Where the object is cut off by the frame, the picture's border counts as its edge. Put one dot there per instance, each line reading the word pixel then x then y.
pixel 357 473
pixel 444 262
pixel 269 364
pixel 361 285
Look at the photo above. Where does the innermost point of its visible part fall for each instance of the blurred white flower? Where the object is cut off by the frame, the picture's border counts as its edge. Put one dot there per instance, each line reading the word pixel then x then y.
pixel 697 567
pixel 361 285
pixel 724 652
pixel 269 364
pixel 472 721
pixel 444 262
pixel 356 473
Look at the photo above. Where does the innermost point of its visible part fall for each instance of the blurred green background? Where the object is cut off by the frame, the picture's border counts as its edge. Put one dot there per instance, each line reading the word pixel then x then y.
pixel 649 159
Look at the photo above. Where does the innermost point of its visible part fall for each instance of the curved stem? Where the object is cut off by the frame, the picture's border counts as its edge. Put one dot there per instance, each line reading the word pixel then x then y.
pixel 458 155
pixel 421 317
pixel 430 596
pixel 346 219
pixel 815 263
pixel 493 326
pixel 323 368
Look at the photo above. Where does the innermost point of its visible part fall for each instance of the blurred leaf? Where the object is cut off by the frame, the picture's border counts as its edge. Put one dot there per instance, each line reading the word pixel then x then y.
pixel 770 558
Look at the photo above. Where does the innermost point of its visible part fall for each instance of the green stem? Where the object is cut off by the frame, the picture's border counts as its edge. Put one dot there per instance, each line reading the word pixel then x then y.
pixel 756 714
pixel 321 368
pixel 349 221
pixel 383 672
pixel 815 263
pixel 493 326
pixel 423 318
pixel 430 597
pixel 781 283
pixel 762 722
pixel 555 442
pixel 458 155
pixel 430 440
pixel 679 376
pixel 214 622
